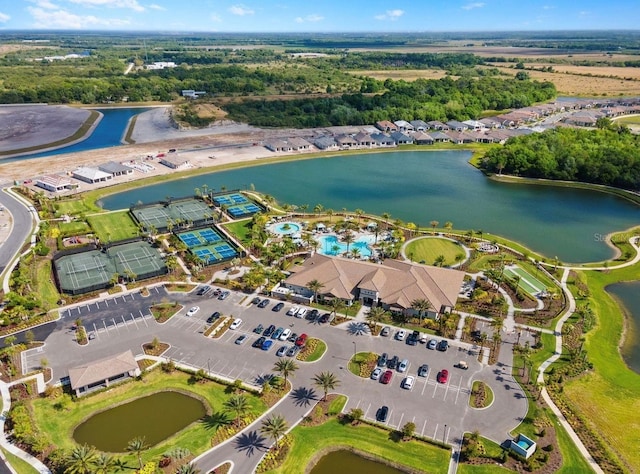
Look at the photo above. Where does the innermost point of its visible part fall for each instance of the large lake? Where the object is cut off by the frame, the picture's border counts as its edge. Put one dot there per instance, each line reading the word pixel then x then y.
pixel 421 186
pixel 628 295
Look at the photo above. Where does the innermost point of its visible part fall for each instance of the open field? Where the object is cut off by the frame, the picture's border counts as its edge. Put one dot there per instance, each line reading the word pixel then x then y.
pixel 428 249
pixel 113 226
pixel 605 71
pixel 406 74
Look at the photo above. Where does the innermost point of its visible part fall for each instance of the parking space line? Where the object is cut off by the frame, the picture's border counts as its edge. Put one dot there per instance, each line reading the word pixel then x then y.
pixel 105 325
pixel 435 432
pixel 458 393
pixel 106 302
pixel 423 428
pixel 97 304
pixel 367 411
pixel 134 320
pixel 435 388
pixel 115 325
pixel 124 323
pixel 401 417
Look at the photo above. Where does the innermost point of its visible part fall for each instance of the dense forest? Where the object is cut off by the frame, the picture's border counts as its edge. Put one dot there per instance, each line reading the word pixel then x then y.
pixel 610 156
pixel 424 99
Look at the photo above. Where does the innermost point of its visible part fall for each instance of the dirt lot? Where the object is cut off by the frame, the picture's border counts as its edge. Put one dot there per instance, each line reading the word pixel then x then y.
pixel 406 74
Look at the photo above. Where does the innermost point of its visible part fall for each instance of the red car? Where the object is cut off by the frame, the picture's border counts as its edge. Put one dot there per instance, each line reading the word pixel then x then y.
pixel 302 339
pixel 386 377
pixel 443 376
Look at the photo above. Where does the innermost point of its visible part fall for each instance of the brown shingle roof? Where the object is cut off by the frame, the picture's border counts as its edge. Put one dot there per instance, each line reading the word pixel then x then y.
pixel 102 369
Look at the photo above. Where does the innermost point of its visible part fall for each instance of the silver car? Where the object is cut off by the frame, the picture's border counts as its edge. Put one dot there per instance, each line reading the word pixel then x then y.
pixel 377 372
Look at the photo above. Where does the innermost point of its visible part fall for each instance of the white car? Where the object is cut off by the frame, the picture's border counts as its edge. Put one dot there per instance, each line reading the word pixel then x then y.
pixel 285 334
pixel 377 372
pixel 292 311
pixel 193 310
pixel 236 323
pixel 301 313
pixel 407 383
pixel 400 335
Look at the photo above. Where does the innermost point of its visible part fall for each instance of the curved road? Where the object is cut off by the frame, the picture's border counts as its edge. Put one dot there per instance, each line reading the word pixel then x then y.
pixel 21 226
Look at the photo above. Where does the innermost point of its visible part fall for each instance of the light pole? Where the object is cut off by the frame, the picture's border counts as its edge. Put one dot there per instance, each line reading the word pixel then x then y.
pixel 444 435
pixel 208 368
pixel 354 350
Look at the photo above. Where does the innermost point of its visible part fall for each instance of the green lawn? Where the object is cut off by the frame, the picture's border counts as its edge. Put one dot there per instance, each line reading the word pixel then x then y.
pixel 337 405
pixel 47 290
pixel 20 466
pixel 113 226
pixel 572 460
pixel 429 248
pixel 241 230
pixel 72 207
pixel 482 469
pixel 307 441
pixel 74 228
pixel 59 426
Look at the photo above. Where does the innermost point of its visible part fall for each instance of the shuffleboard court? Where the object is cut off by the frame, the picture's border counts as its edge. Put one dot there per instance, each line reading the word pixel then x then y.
pixel 527 282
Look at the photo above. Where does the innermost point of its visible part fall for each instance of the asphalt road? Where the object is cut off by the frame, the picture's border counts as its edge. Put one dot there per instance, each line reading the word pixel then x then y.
pixel 22 225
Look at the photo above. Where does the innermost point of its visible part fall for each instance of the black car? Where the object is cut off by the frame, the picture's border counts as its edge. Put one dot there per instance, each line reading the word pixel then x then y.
pixel 443 345
pixel 324 318
pixel 382 360
pixel 393 362
pixel 293 350
pixel 258 342
pixel 312 315
pixel 264 303
pixel 256 300
pixel 278 307
pixel 412 340
pixel 267 332
pixel 203 290
pixel 217 292
pixel 224 295
pixel 293 337
pixel 382 413
pixel 213 317
pixel 259 329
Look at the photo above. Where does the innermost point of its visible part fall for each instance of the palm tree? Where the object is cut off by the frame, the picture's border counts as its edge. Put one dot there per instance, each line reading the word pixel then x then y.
pixel 188 469
pixel 105 464
pixel 326 381
pixel 439 261
pixel 355 251
pixel 411 227
pixel 237 404
pixel 386 216
pixel 376 314
pixel 136 446
pixel 348 239
pixel 336 304
pixel 315 286
pixel 359 213
pixel 81 460
pixel 285 367
pixel 434 224
pixel 329 212
pixel 448 226
pixel 421 305
pixel 275 426
pixel 318 208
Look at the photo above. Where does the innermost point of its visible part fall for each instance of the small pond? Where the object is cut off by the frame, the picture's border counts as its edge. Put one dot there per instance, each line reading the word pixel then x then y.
pixel 155 418
pixel 346 461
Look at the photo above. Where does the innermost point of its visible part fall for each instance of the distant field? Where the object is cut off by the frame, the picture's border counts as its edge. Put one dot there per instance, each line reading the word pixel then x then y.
pixel 630 120
pixel 608 71
pixel 406 74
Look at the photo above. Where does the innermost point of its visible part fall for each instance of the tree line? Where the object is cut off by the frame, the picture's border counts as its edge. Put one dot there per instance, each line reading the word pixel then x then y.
pixel 609 156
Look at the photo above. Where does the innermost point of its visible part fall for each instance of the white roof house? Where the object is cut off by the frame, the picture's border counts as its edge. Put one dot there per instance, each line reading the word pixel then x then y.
pixel 91 175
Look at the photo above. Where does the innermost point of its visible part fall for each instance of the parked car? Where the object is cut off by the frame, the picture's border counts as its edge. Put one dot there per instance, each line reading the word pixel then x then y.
pixel 385 331
pixel 293 337
pixel 266 345
pixel 382 413
pixel 301 341
pixel 324 318
pixel 203 290
pixel 403 366
pixel 193 310
pixel 393 362
pixel 443 345
pixel 301 313
pixel 462 365
pixel 264 303
pixel 256 300
pixel 236 323
pixel 281 351
pixel 423 338
pixel 292 311
pixel 407 383
pixel 386 377
pixel 293 350
pixel 269 331
pixel 412 340
pixel 432 344
pixel 383 359
pixel 377 372
pixel 443 376
pixel 400 335
pixel 224 295
pixel 240 340
pixel 258 329
pixel 423 370
pixel 277 333
pixel 258 342
pixel 312 315
pixel 285 334
pixel 215 315
pixel 277 307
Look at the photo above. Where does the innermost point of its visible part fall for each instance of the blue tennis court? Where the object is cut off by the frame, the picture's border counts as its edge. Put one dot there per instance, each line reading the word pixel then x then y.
pixel 208 244
pixel 242 210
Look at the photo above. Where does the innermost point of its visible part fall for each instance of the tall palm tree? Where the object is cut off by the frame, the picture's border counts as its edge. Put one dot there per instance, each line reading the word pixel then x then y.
pixel 326 381
pixel 421 305
pixel 275 426
pixel 329 212
pixel 386 216
pixel 105 464
pixel 359 213
pixel 315 286
pixel 336 304
pixel 434 224
pixel 376 314
pixel 285 367
pixel 81 460
pixel 136 446
pixel 237 404
pixel 348 239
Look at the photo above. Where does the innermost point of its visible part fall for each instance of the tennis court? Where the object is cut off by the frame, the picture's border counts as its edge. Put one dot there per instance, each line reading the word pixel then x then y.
pixel 215 253
pixel 190 210
pixel 200 237
pixel 137 258
pixel 208 244
pixel 84 272
pixel 160 215
pixel 527 282
pixel 230 199
pixel 156 216
pixel 243 210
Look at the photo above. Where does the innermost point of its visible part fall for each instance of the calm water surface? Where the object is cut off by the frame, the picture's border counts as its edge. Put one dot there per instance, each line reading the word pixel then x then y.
pixel 421 186
pixel 346 461
pixel 628 295
pixel 155 418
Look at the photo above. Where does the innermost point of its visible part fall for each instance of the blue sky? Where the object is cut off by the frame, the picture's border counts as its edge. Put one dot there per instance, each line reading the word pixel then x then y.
pixel 319 15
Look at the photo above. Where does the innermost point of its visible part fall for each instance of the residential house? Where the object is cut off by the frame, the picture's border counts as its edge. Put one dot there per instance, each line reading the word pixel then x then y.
pixel 175 162
pixel 457 126
pixel 91 175
pixel 325 143
pixel 386 126
pixel 299 144
pixel 345 141
pixel 277 144
pixel 383 140
pixel 422 138
pixel 419 125
pixel 401 139
pixel 364 140
pixel 436 125
pixel 439 137
pixel 55 183
pixel 474 124
pixel 115 169
pixel 403 126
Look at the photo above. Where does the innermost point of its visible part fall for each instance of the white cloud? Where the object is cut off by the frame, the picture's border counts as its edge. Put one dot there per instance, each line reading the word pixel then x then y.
pixel 154 6
pixel 63 19
pixel 4 17
pixel 216 18
pixel 46 4
pixel 310 18
pixel 392 15
pixel 471 6
pixel 132 4
pixel 241 10
pixel 548 7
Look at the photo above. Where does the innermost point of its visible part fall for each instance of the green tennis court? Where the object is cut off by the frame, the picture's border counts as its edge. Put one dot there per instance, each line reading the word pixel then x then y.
pixel 528 282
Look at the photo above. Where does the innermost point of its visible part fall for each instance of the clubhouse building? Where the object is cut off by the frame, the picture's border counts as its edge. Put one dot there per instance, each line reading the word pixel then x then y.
pixel 394 285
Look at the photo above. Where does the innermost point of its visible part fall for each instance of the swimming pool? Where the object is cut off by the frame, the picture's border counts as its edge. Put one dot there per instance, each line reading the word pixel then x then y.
pixel 285 228
pixel 332 245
